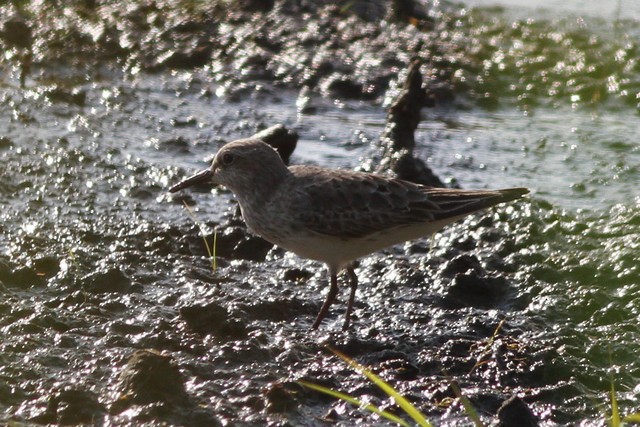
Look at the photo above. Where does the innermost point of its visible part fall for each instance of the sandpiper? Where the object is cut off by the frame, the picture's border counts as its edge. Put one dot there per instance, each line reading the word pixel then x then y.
pixel 334 216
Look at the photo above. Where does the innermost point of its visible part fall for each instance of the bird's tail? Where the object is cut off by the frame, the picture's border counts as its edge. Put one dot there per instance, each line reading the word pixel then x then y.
pixel 454 202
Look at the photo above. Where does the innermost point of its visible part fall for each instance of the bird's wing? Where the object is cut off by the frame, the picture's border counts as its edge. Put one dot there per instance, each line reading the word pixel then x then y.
pixel 355 205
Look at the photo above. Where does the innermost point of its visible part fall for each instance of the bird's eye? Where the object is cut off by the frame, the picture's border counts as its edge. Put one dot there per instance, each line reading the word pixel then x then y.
pixel 227 159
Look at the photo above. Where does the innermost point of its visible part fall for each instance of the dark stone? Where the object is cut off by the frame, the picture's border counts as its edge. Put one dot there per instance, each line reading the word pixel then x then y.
pixel 17 33
pixel 212 319
pixel 149 377
pixel 46 266
pixel 185 59
pixel 153 383
pixel 25 277
pixel 252 248
pixel 470 289
pixel 282 139
pixel 296 275
pixel 179 144
pixel 255 66
pixel 5 143
pixel 73 96
pixel 72 407
pixel 367 10
pixel 110 280
pixel 462 264
pixel 78 407
pixel 403 116
pixel 227 240
pixel 401 369
pixel 343 87
pixel 407 11
pixel 256 5
pixel 184 122
pixel 236 243
pixel 398 137
pixel 6 271
pixel 412 169
pixel 515 413
pixel 281 397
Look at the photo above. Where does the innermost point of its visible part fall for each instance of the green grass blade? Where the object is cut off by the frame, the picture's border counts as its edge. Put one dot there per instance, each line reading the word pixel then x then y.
pixel 214 256
pixel 406 406
pixel 356 402
pixel 468 407
pixel 632 418
pixel 210 251
pixel 615 414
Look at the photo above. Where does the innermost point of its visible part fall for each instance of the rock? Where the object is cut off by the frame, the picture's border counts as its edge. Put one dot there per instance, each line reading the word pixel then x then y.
pixel 212 319
pixel 280 138
pixel 410 168
pixel 25 277
pixel 462 264
pixel 400 369
pixel 153 382
pixel 46 266
pixel 342 86
pixel 17 33
pixel 227 238
pixel 180 122
pixel 184 59
pixel 281 397
pixel 5 142
pixel 73 96
pixel 515 413
pixel 72 407
pixel 252 248
pixel 177 145
pixel 149 377
pixel 403 116
pixel 296 275
pixel 398 139
pixel 256 5
pixel 78 407
pixel 277 310
pixel 234 242
pixel 408 11
pixel 471 289
pixel 110 280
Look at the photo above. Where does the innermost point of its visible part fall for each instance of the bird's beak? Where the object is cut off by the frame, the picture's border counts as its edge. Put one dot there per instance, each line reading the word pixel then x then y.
pixel 199 178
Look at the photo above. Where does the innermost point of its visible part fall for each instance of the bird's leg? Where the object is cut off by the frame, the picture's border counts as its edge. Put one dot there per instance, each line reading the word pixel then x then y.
pixel 353 283
pixel 331 296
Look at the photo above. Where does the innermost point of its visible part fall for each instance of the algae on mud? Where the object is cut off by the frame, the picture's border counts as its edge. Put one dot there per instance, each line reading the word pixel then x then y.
pixel 120 101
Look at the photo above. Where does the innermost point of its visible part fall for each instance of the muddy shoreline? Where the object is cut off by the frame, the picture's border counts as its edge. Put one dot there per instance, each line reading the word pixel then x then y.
pixel 111 312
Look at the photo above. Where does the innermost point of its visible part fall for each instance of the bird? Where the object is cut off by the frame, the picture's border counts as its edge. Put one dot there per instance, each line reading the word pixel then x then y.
pixel 334 216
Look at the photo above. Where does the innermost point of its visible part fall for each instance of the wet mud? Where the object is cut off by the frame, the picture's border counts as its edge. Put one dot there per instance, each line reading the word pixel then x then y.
pixel 111 311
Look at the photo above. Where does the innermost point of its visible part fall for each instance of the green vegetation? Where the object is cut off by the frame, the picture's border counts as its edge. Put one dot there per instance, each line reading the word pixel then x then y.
pixel 466 404
pixel 211 250
pixel 615 420
pixel 400 400
pixel 356 402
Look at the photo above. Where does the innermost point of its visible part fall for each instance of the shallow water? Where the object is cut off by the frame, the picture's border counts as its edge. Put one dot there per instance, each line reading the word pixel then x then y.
pixel 627 9
pixel 96 259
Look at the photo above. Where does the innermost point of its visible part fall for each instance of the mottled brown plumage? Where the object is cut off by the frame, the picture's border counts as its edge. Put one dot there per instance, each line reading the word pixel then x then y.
pixel 335 216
